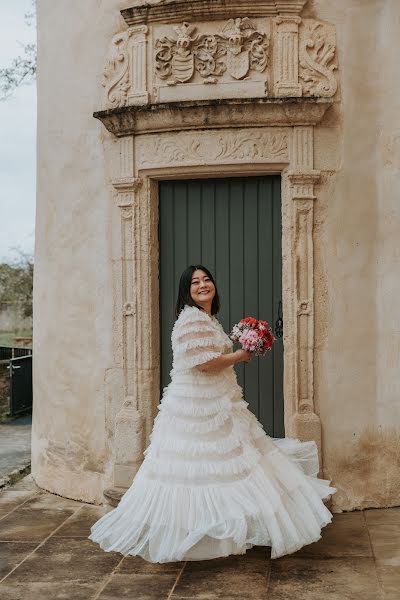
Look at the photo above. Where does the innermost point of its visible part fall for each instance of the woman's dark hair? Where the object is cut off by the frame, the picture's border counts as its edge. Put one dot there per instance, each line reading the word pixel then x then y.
pixel 184 297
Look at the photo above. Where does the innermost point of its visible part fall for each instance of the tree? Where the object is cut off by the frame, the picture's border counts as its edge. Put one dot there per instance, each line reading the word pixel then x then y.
pixel 23 68
pixel 16 282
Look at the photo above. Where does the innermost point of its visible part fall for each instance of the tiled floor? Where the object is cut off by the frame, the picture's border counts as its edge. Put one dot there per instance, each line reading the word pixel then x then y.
pixel 45 554
pixel 15 446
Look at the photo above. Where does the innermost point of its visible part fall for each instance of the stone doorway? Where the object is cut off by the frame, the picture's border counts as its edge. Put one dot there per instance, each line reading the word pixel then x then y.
pixel 232 226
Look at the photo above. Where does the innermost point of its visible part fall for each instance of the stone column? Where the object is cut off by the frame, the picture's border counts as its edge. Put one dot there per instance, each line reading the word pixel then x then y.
pixel 304 422
pixel 286 60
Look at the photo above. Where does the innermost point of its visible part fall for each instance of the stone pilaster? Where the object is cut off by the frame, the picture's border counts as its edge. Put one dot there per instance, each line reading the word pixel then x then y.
pixel 304 423
pixel 138 93
pixel 128 438
pixel 286 61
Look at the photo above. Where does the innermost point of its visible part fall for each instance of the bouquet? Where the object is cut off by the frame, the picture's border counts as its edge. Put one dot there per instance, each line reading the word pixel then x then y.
pixel 254 335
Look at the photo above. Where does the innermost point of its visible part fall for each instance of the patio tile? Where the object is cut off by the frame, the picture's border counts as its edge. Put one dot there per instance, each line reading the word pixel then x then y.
pixel 10 498
pixel 346 536
pixel 47 591
pixel 218 585
pixel 385 540
pixel 256 560
pixel 138 587
pixel 62 560
pixel 79 524
pixel 135 565
pixel 350 578
pixel 381 516
pixel 51 501
pixel 27 483
pixel 11 554
pixel 31 524
pixel 234 577
pixel 390 581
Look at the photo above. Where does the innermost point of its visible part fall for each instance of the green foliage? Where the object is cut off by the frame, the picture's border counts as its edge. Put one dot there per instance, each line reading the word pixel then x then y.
pixel 16 282
pixel 23 68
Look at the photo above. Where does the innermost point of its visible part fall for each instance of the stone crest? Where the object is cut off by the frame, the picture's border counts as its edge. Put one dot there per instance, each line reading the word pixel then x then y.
pixel 237 49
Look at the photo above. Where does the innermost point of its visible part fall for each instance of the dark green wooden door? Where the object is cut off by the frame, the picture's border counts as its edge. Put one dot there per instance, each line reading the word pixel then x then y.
pixel 233 227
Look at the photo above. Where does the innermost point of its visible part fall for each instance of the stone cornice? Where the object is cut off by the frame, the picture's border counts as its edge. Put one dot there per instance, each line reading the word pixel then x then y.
pixel 172 11
pixel 209 114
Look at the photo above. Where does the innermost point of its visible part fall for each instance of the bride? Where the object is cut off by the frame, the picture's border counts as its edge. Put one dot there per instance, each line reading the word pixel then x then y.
pixel 212 482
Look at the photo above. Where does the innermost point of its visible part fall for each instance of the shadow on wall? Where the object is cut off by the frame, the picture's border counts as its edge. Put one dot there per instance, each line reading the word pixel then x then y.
pixel 370 476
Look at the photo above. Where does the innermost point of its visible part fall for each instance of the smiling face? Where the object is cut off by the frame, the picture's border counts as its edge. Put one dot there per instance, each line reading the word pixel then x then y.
pixel 202 289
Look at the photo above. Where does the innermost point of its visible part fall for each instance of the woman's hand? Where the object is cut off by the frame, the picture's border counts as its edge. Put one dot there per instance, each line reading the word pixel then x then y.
pixel 243 355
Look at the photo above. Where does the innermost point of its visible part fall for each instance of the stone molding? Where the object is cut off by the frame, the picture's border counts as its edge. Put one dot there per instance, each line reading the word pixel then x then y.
pixel 228 113
pixel 193 58
pixel 171 11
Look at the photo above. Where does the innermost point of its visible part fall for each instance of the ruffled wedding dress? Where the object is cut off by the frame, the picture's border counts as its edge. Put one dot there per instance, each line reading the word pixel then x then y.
pixel 213 483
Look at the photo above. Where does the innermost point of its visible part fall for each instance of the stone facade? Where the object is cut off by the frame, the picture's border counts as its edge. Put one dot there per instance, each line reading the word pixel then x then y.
pixel 191 89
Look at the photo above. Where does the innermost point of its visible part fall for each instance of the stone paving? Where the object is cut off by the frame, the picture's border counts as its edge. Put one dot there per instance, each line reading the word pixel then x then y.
pixel 15 447
pixel 45 554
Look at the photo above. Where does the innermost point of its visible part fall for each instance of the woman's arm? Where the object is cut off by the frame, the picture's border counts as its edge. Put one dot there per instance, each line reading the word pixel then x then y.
pixel 224 361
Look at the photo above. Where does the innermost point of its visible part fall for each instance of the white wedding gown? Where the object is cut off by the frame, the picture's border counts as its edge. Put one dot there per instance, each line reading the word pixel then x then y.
pixel 213 483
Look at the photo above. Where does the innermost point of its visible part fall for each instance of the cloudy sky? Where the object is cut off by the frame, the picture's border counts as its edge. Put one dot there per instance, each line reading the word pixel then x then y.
pixel 17 139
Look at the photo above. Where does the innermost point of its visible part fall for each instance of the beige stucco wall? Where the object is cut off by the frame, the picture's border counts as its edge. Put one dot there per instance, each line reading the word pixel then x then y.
pixel 357 373
pixel 357 148
pixel 73 292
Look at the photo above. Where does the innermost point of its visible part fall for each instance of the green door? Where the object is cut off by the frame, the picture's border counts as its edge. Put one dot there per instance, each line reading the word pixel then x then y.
pixel 233 227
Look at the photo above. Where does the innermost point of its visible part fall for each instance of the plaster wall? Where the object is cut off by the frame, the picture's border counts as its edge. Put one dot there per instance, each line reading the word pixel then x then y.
pixel 356 223
pixel 357 256
pixel 73 302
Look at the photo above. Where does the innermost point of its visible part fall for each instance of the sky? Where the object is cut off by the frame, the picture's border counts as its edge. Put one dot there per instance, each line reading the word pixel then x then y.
pixel 17 140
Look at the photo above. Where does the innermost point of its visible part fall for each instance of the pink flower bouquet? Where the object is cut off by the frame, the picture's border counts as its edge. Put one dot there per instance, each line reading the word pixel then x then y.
pixel 254 335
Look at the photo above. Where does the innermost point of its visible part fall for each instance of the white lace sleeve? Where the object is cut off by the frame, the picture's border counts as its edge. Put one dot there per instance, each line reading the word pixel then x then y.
pixel 194 339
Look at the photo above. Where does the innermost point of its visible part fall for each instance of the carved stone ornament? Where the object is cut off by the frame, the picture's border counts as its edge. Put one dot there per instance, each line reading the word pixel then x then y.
pixel 246 145
pixel 237 49
pixel 317 53
pixel 116 77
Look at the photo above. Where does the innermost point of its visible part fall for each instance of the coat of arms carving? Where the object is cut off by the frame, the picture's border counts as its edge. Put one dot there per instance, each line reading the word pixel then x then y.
pixel 245 47
pixel 237 49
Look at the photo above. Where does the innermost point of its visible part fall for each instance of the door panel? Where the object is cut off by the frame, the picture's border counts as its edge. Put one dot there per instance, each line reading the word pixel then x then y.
pixel 233 227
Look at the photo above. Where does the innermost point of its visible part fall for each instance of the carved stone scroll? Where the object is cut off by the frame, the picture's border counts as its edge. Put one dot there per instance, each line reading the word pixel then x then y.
pixel 125 72
pixel 317 54
pixel 116 75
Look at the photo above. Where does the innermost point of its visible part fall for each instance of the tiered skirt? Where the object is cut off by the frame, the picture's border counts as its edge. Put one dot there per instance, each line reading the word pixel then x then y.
pixel 212 482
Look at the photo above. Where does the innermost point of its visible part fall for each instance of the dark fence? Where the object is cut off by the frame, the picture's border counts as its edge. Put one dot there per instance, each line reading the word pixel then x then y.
pixel 6 352
pixel 16 373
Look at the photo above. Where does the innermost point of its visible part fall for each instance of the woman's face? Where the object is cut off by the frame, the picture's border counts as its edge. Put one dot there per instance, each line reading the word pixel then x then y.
pixel 202 289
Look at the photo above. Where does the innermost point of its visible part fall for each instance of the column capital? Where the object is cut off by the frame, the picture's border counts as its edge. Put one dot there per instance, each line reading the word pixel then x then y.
pixel 306 177
pixel 127 184
pixel 288 22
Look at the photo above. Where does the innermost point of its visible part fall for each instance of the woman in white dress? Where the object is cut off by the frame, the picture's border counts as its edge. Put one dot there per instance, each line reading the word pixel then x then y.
pixel 212 482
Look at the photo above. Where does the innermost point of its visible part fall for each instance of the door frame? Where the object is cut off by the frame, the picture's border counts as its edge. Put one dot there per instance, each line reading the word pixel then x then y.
pixel 142 161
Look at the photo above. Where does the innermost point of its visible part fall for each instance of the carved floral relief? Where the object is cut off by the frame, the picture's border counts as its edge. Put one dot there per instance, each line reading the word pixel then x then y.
pixel 221 147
